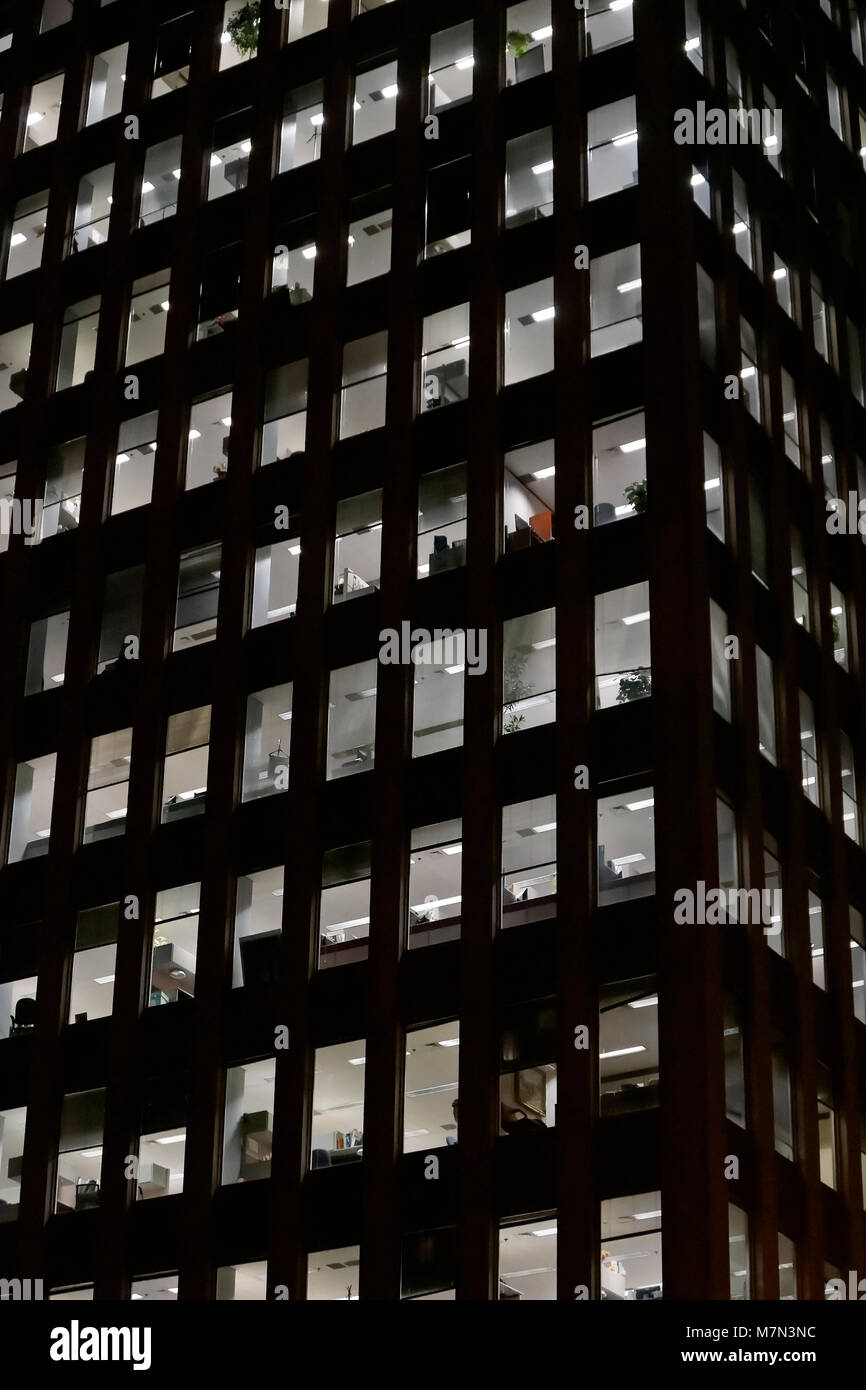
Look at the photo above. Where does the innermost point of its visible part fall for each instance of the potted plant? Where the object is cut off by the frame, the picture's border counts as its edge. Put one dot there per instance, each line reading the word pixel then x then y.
pixel 243 29
pixel 516 43
pixel 636 494
pixel 635 686
pixel 514 689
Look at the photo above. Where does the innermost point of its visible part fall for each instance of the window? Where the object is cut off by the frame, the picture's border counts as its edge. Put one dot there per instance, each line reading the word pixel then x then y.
pixel 338 1100
pixel 374 110
pixel 631 1247
pixel 198 586
pixel 18 1009
pixel 107 76
pixel 15 359
pixel 451 62
pixel 301 130
pixel 850 807
pixel 91 993
pixel 229 165
pixel 828 460
pixel 834 107
pixel 258 927
pixel 528 177
pixel 800 579
pixel 46 652
pixel 30 831
pixel 54 13
pixel 839 626
pixel 612 148
pixel 628 1047
pixel 749 374
pixel 344 907
pixel 774 929
pixel 529 671
pixel 528 861
pixel 623 670
pixel 240 44
pixel 12 511
pixel 626 846
pixel 694 39
pixel 714 487
pixel 787 1260
pixel 284 420
pixel 12 1126
pixel 365 380
pixel 528 34
pixel 790 421
pixel 766 705
pixel 528 484
pixel 820 328
pixel 219 294
pixel 855 361
pixel 744 238
pixel 428 1259
pixel 858 965
pixel 357 545
pixel 809 750
pixel 78 343
pixel 369 247
pixel 306 17
pixel 701 189
pixel 43 113
pixel 735 1063
pixel 175 937
pixel 738 1252
pixel 529 315
pixel 184 782
pixel 719 632
pixel 527 1073
pixel 430 1109
pixel 27 236
pixel 162 1289
pixel 707 316
pixel 619 469
pixel 207 450
pixel 445 357
pixel 79 1151
pixel 351 719
pixel 161 1154
pixel 438 687
pixel 333 1274
pixel 245 1283
pixel 442 502
pixel 615 301
pixel 784 285
pixel 133 463
pixel 107 786
pixel 449 194
pixel 527 1261
pixel 148 315
pixel 160 182
pixel 266 760
pixel 120 624
pixel 275 582
pixel 608 23
pixel 783 1117
pixel 728 851
pixel 63 477
pixel 816 940
pixel 248 1130
pixel 173 53
pixel 826 1126
pixel 435 859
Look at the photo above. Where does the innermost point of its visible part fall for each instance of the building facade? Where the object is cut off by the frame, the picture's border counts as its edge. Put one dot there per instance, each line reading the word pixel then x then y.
pixel 433 437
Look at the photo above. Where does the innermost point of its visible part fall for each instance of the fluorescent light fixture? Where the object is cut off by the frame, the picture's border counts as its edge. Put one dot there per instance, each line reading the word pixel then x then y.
pixel 455 670
pixel 640 805
pixel 318 119
pixel 780 274
pixel 390 92
pixel 545 473
pixel 697 180
pixel 548 642
pixel 215 161
pixel 227 421
pixel 122 458
pixel 17 239
pixel 542 315
pixel 171 1139
pixel 633 446
pixel 103 979
pixel 791 415
pixel 548 1231
pixel 92 1153
pixel 636 618
pixel 246 146
pixel 294 549
pixel 630 138
pixel 176 173
pixel 645 1215
pixel 147 186
pixel 464 63
pixel 165 306
pixel 414 1133
pixel 460 342
pixel 449 1042
pixel 345 926
pixel 629 285
pixel 116 815
pixel 357 1061
pixel 770 141
pixel 286 714
pixel 627 509
pixel 620 4
pixel 826 458
pixel 648 1003
pixel 748 372
pixel 691 45
pixel 309 253
pixel 712 483
pixel 621 1052
pixel 545 168
pixel 738 228
pixel 541 829
pixel 225 37
pixel 59 678
pixel 451 849
pixel 35 117
pixel 628 859
pixel 195 434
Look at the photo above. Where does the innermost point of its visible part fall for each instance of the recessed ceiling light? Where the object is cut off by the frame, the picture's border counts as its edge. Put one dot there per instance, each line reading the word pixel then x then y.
pixel 544 168
pixel 691 45
pixel 629 285
pixel 171 1139
pixel 309 253
pixel 463 63
pixel 697 179
pixel 215 161
pixel 91 1153
pixel 454 670
pixel 449 1042
pixel 547 1231
pixel 195 434
pixel 317 119
pixel 547 642
pixel 644 1003
pixel 640 805
pixel 545 32
pixel 630 138
pixel 621 1052
pixel 542 315
pixel 414 1133
pixel 227 421
pixel 122 458
pixel 542 829
pixel 645 1215
pixel 738 228
pixel 35 117
pixel 628 859
pixel 636 618
pixel 541 475
pixel 103 979
pixel 390 92
pixel 165 306
pixel 17 239
pixel 633 446
pixel 176 173
pixel 451 849
pixel 780 274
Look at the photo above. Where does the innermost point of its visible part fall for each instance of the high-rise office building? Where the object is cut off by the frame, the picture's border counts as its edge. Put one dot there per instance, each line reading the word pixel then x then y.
pixel 433 617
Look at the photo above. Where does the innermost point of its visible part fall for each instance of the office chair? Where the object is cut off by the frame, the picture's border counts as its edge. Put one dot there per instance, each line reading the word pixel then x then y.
pixel 24 1016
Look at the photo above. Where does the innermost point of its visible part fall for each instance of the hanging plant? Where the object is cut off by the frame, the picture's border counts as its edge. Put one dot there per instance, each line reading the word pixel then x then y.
pixel 635 686
pixel 516 43
pixel 636 494
pixel 514 690
pixel 243 29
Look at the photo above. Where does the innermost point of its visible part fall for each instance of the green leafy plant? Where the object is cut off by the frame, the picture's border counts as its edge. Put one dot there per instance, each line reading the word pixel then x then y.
pixel 837 634
pixel 636 494
pixel 514 689
pixel 243 28
pixel 516 43
pixel 634 686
